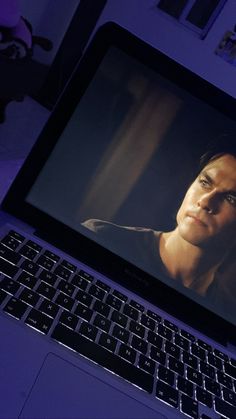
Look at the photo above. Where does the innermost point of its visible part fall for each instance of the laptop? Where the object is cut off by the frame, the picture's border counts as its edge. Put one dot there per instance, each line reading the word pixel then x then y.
pixel 93 322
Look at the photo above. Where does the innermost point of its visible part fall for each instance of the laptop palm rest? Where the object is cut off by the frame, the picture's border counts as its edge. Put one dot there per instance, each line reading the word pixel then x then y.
pixel 64 390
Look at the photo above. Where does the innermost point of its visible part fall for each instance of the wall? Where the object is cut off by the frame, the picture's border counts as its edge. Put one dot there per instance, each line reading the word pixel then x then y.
pixel 49 18
pixel 142 18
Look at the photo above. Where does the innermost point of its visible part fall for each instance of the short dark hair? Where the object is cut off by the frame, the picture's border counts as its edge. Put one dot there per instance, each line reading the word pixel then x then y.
pixel 225 144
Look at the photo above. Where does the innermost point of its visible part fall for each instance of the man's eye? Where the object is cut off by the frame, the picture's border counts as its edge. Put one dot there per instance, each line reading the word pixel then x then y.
pixel 204 183
pixel 231 200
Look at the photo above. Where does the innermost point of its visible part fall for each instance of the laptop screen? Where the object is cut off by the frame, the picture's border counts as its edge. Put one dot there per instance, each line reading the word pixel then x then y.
pixel 125 173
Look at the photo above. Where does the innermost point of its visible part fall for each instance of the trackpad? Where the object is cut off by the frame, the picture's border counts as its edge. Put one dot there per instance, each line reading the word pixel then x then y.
pixel 63 390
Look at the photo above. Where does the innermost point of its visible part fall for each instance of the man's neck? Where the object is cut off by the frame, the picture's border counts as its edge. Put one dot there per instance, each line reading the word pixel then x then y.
pixel 190 264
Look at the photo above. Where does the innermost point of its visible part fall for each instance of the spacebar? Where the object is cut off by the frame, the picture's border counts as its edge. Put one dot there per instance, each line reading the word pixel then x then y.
pixel 103 357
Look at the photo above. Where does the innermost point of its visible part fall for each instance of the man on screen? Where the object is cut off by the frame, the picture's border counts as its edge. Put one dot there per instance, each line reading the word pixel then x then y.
pixel 198 252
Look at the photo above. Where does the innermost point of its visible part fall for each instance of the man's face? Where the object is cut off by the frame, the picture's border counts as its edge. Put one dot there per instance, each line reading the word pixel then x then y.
pixel 207 216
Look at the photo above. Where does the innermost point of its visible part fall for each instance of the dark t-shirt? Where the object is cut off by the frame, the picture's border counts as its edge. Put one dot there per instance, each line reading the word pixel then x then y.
pixel 140 246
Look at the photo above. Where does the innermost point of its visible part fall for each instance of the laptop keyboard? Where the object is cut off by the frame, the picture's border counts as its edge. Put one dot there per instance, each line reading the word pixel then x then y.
pixel 86 315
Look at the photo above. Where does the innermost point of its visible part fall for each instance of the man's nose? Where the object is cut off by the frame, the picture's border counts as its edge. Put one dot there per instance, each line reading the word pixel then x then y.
pixel 209 202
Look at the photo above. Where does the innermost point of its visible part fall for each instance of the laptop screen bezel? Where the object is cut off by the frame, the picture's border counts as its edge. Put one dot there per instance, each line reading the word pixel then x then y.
pixel 47 227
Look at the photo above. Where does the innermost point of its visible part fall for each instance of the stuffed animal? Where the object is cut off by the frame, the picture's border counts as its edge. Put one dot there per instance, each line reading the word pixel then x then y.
pixel 17 43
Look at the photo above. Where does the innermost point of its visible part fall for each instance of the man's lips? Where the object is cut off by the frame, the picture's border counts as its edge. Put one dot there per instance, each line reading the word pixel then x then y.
pixel 197 219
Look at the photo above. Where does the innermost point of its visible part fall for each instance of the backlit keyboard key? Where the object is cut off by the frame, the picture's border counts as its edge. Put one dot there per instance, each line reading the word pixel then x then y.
pixel 3 295
pixel 221 355
pixel 154 316
pixel 30 267
pixel 136 328
pixel 69 319
pixel 30 297
pixel 171 325
pixel 119 295
pixel 83 312
pixel 102 308
pixel 158 355
pixel 62 272
pixel 199 352
pixel 166 375
pixel 108 342
pixel 139 344
pixel 26 279
pixel 9 255
pixel 224 379
pixel 9 285
pixel 96 292
pixel 10 242
pixel 27 252
pixel 113 302
pixel 165 332
pixel 172 349
pixel 187 335
pixel 46 290
pixel 79 282
pixel 45 262
pixel 185 386
pixel 176 365
pixel 225 409
pixel 181 342
pixel 119 318
pixel 207 370
pixel 86 275
pixel 7 268
pixel 215 361
pixel 64 301
pixel 48 277
pixel 103 357
pixel 84 298
pixel 229 396
pixel 230 370
pixel 204 397
pixel 49 308
pixel 189 406
pixel 102 323
pixel 103 286
pixel 131 312
pixel 16 235
pixel 34 245
pixel 194 376
pixel 51 255
pixel 167 394
pixel 68 265
pixel 212 387
pixel 39 321
pixel 146 364
pixel 204 345
pixel 120 333
pixel 15 308
pixel 127 353
pixel 233 362
pixel 66 287
pixel 148 322
pixel 154 339
pixel 136 305
pixel 88 330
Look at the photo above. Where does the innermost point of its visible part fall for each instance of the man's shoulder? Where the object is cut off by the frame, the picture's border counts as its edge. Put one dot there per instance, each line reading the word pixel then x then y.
pixel 97 226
